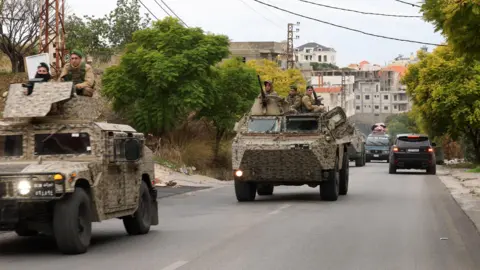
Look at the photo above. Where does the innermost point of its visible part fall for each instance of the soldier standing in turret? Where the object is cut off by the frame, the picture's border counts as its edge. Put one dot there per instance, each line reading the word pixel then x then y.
pixel 269 88
pixel 294 99
pixel 308 102
pixel 80 73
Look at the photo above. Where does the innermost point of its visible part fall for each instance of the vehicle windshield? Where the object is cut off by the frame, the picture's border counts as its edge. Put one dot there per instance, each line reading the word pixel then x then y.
pixel 11 145
pixel 62 144
pixel 378 141
pixel 263 125
pixel 301 124
pixel 413 142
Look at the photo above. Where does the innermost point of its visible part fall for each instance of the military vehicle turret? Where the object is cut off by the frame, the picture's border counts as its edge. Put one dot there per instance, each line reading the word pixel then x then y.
pixel 275 147
pixel 61 169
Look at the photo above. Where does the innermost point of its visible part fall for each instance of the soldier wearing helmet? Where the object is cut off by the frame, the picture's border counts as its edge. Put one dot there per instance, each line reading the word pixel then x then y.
pixel 294 99
pixel 269 88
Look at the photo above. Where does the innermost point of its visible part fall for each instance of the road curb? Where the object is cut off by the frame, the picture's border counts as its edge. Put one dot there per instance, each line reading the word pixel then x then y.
pixel 470 204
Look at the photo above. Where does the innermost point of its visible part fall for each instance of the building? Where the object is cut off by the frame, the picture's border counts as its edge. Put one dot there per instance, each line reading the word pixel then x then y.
pixel 328 85
pixel 269 50
pixel 315 53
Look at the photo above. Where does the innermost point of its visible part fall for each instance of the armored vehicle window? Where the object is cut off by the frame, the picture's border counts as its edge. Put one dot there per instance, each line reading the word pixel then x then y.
pixel 62 144
pixel 11 145
pixel 378 140
pixel 302 124
pixel 263 125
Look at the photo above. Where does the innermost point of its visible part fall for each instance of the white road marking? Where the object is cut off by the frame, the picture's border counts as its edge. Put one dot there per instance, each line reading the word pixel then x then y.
pixel 274 212
pixel 175 265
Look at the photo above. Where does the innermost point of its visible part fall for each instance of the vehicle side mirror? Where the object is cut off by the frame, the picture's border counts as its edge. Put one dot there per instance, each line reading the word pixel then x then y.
pixel 434 144
pixel 133 150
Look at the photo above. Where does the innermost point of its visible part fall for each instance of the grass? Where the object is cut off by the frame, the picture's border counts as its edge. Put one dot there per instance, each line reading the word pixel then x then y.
pixel 474 170
pixel 463 165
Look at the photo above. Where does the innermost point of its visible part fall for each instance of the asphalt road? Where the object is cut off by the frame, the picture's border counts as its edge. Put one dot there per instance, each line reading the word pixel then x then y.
pixel 404 221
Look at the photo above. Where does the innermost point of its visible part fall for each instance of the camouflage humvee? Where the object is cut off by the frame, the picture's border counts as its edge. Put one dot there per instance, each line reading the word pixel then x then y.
pixel 275 147
pixel 61 172
pixel 356 149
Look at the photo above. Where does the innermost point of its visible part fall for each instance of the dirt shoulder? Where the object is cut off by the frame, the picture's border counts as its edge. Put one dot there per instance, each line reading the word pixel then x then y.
pixel 168 177
pixel 465 189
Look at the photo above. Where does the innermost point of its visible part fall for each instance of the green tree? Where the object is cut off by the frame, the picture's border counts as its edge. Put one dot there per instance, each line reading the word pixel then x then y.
pixel 164 75
pixel 236 87
pixel 458 21
pixel 445 90
pixel 401 123
pixel 323 66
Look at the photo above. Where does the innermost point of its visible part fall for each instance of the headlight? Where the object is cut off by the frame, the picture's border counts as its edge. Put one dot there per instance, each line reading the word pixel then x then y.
pixel 238 173
pixel 24 187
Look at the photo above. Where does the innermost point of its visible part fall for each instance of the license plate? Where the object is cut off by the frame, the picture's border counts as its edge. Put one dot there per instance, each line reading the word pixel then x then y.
pixel 44 189
pixel 413 150
pixel 376 155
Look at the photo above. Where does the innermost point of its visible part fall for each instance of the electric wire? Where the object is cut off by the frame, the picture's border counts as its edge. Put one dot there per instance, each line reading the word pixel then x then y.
pixel 173 13
pixel 348 28
pixel 262 15
pixel 361 12
pixel 411 4
pixel 147 9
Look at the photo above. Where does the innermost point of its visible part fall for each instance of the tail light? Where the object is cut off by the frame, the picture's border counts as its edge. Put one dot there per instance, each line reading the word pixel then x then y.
pixel 395 149
pixel 430 150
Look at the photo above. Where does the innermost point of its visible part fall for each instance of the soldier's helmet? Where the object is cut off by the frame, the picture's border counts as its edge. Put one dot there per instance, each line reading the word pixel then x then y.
pixel 267 82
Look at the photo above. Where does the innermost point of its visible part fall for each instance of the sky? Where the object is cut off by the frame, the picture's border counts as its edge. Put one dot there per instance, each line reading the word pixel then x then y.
pixel 247 20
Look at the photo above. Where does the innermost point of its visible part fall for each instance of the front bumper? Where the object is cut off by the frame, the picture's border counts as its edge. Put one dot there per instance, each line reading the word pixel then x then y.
pixel 375 156
pixel 41 186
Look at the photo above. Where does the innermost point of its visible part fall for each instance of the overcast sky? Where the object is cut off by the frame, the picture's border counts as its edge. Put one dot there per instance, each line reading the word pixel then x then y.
pixel 247 20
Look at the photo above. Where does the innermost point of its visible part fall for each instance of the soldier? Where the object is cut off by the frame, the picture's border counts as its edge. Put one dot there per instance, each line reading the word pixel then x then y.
pixel 269 88
pixel 294 99
pixel 43 72
pixel 80 73
pixel 308 102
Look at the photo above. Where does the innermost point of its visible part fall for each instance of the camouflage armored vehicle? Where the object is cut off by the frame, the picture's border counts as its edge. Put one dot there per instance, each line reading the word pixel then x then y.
pixel 61 172
pixel 356 149
pixel 274 147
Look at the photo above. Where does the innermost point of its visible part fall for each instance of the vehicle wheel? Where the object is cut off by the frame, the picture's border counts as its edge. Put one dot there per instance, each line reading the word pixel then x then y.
pixel 359 161
pixel 24 231
pixel 344 176
pixel 392 169
pixel 364 159
pixel 329 189
pixel 432 170
pixel 72 222
pixel 265 190
pixel 245 191
pixel 141 220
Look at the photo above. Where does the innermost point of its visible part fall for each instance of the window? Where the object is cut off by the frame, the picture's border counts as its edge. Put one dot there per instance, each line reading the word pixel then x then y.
pixel 377 107
pixel 263 125
pixel 325 58
pixel 385 97
pixel 385 108
pixel 367 97
pixel 377 140
pixel 302 124
pixel 357 107
pixel 310 57
pixel 306 57
pixel 376 87
pixel 62 144
pixel 358 96
pixel 11 145
pixel 395 107
pixel 319 58
pixel 413 141
pixel 308 50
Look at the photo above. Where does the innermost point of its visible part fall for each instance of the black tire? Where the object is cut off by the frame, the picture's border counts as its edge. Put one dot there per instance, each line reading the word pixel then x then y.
pixel 265 190
pixel 245 191
pixel 359 162
pixel 329 189
pixel 432 170
pixel 141 220
pixel 72 222
pixel 392 169
pixel 23 231
pixel 344 176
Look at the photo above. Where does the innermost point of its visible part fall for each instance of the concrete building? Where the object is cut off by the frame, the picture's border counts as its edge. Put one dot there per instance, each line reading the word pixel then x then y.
pixel 329 87
pixel 270 50
pixel 315 53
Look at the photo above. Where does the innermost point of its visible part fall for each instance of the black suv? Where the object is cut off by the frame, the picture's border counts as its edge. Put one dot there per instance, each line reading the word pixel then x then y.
pixel 412 151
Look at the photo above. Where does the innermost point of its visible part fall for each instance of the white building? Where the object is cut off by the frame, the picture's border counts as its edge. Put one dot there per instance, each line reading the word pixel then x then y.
pixel 330 89
pixel 315 53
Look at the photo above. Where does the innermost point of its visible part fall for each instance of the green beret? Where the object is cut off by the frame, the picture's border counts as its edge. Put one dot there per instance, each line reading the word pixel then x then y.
pixel 77 52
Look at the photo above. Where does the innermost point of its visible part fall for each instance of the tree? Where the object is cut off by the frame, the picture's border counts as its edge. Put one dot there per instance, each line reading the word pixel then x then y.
pixel 445 90
pixel 323 66
pixel 102 37
pixel 19 26
pixel 164 75
pixel 282 79
pixel 236 87
pixel 457 20
pixel 401 123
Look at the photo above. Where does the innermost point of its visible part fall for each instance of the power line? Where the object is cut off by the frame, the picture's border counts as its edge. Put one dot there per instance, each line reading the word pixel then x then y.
pixel 361 12
pixel 347 28
pixel 411 4
pixel 262 15
pixel 173 13
pixel 162 8
pixel 147 9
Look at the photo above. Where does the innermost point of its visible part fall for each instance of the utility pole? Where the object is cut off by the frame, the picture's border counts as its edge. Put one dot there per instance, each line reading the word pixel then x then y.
pixel 52 31
pixel 290 49
pixel 343 94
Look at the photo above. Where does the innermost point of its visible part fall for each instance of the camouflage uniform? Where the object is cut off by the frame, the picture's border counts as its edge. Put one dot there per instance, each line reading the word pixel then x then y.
pixel 271 92
pixel 295 101
pixel 82 77
pixel 308 102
